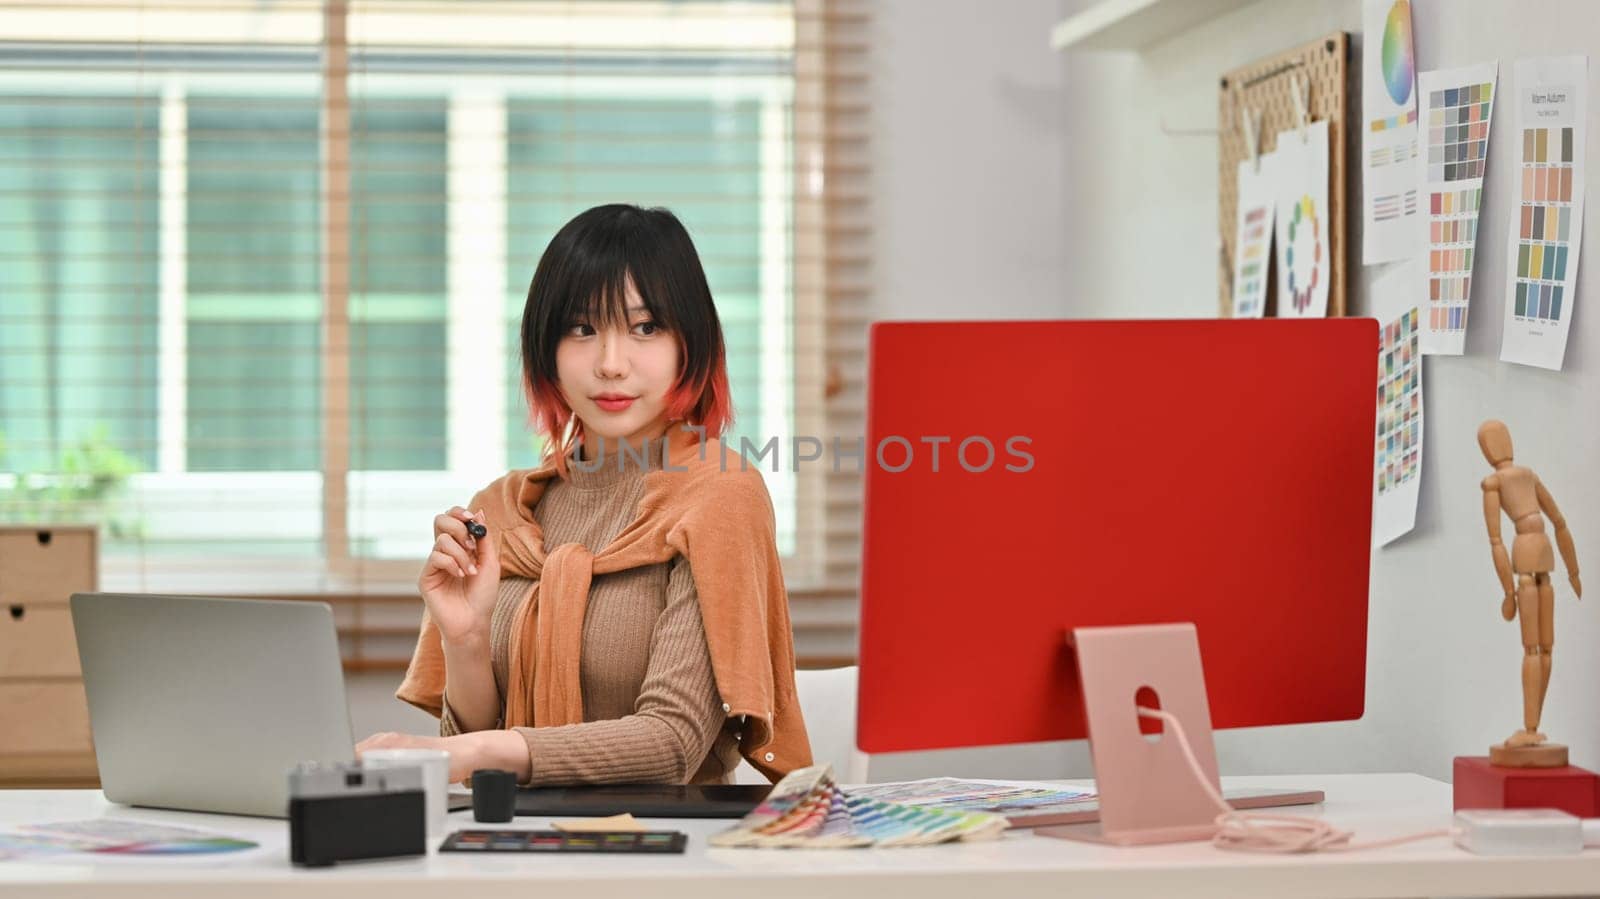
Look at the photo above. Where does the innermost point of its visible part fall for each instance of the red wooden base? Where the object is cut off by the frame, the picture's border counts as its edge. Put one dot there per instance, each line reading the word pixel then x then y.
pixel 1479 784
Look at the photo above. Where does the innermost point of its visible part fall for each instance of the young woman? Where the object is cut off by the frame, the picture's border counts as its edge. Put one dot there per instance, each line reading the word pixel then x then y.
pixel 622 616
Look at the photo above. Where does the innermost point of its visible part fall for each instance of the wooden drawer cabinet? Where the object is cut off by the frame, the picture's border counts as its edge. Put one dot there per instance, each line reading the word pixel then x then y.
pixel 37 641
pixel 44 718
pixel 46 565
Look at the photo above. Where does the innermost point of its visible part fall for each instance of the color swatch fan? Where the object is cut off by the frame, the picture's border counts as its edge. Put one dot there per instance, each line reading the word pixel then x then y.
pixel 807 809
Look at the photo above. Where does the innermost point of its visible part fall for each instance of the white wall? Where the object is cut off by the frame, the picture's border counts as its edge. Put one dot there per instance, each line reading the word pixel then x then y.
pixel 1013 182
pixel 1443 676
pixel 968 132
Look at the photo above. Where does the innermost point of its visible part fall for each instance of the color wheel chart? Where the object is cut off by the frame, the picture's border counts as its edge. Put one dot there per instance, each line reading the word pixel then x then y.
pixel 1546 227
pixel 1389 141
pixel 1546 223
pixel 1300 175
pixel 1399 403
pixel 1399 64
pixel 1303 254
pixel 1458 107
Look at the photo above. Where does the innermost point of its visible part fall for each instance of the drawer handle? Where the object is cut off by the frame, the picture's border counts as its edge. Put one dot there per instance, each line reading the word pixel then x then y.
pixel 17 613
pixel 43 537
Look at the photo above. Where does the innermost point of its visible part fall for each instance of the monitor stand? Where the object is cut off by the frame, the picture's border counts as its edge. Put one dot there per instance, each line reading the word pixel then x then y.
pixel 1148 790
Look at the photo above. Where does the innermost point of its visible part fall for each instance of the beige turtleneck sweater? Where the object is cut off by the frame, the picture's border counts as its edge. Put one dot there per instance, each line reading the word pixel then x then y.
pixel 651 710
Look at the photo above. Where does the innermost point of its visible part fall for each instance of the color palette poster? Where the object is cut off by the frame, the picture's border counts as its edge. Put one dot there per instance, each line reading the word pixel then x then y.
pixel 1300 183
pixel 1397 461
pixel 1547 222
pixel 1457 107
pixel 1252 241
pixel 1389 133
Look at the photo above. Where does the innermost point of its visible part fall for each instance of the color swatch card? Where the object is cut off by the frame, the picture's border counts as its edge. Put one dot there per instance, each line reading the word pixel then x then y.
pixel 1397 476
pixel 1389 137
pixel 1547 224
pixel 1252 240
pixel 1457 106
pixel 1300 177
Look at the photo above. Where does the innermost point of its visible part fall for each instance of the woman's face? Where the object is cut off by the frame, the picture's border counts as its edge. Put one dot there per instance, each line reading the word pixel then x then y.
pixel 616 378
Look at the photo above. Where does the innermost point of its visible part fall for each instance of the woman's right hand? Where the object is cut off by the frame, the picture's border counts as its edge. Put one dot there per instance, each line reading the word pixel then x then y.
pixel 461 578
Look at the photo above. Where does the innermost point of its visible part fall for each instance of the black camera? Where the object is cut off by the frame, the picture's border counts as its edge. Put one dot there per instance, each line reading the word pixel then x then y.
pixel 346 811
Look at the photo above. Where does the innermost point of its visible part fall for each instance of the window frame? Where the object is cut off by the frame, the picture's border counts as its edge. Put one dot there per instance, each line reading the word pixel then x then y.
pixel 784 215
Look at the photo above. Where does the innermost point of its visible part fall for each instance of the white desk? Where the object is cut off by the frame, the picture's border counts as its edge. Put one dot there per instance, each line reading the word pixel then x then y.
pixel 1019 864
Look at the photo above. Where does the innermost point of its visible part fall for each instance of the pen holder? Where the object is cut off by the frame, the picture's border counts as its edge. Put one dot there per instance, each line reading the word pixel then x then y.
pixel 494 795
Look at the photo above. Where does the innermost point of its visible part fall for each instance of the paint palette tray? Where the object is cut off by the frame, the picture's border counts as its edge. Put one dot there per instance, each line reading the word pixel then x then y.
pixel 654 842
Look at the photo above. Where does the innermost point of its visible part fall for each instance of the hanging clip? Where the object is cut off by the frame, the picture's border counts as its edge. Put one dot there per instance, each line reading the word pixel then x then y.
pixel 1302 99
pixel 1250 123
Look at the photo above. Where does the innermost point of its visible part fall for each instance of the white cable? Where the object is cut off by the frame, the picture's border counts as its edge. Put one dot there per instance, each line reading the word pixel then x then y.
pixel 1272 833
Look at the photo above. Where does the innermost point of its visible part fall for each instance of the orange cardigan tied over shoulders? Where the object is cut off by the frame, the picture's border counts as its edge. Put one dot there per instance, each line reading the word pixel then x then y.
pixel 703 504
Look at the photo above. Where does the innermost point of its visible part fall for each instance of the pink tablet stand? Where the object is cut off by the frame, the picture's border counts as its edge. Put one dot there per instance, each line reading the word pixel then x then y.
pixel 1148 791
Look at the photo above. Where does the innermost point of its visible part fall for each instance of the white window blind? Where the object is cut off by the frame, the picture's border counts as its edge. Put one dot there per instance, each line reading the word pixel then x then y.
pixel 264 264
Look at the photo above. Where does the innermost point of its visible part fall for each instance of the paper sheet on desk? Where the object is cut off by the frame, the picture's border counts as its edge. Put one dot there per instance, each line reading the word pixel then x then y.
pixel 115 836
pixel 623 823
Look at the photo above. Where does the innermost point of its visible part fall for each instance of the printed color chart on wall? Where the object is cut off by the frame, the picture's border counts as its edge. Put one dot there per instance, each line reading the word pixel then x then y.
pixel 1263 91
pixel 1545 232
pixel 1300 173
pixel 1397 474
pixel 1457 107
pixel 1389 140
pixel 1253 242
pixel 1400 393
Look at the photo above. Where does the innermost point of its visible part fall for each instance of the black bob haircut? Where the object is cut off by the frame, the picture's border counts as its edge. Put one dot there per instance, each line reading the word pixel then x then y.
pixel 583 277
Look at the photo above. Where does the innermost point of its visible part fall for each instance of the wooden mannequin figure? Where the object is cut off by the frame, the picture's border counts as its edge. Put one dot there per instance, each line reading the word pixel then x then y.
pixel 1519 492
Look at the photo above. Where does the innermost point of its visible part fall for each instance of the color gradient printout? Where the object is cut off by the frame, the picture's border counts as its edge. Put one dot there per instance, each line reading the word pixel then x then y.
pixel 1546 227
pixel 1397 475
pixel 1252 242
pixel 1457 106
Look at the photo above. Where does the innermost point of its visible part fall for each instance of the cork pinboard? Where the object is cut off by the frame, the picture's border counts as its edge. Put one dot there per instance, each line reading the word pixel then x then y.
pixel 1265 86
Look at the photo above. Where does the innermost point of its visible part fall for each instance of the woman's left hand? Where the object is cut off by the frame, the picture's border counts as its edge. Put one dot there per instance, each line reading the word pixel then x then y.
pixel 462 749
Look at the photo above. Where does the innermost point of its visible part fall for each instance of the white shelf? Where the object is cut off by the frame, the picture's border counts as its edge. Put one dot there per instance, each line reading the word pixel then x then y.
pixel 1135 24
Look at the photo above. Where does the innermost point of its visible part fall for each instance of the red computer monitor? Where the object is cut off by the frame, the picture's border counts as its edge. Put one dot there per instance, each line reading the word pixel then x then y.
pixel 1214 472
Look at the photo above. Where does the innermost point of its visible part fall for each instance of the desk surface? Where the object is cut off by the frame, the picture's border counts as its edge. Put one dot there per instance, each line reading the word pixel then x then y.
pixel 1019 864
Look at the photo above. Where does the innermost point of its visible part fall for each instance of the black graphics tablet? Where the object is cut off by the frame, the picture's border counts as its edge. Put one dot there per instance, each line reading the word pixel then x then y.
pixel 642 800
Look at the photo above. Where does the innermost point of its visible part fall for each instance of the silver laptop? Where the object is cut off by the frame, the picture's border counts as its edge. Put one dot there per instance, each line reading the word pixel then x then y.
pixel 205 704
